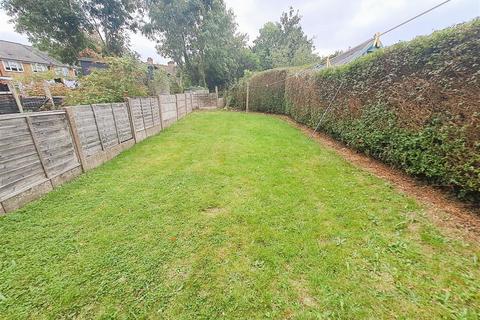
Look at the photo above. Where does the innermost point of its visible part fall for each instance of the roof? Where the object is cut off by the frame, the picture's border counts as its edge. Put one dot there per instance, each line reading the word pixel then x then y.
pixel 21 52
pixel 352 54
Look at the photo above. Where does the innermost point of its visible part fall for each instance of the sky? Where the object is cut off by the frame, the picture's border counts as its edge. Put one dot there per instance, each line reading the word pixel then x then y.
pixel 333 24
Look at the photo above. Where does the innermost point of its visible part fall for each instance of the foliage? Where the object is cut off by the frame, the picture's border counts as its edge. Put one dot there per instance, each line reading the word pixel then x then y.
pixel 124 77
pixel 263 98
pixel 160 84
pixel 284 43
pixel 176 86
pixel 66 27
pixel 204 221
pixel 32 84
pixel 414 105
pixel 202 38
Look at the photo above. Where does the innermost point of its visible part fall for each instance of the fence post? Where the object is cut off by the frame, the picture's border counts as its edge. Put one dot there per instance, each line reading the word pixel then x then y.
pixel 216 95
pixel 48 93
pixel 160 111
pixel 130 116
pixel 143 116
pixel 191 100
pixel 77 145
pixel 115 123
pixel 37 145
pixel 151 110
pixel 14 92
pixel 98 129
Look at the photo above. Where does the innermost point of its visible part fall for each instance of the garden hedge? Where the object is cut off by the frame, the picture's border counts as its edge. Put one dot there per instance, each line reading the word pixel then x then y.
pixel 263 98
pixel 414 105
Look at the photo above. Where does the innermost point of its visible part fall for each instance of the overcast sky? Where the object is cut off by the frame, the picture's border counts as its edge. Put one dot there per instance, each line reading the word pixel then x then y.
pixel 333 24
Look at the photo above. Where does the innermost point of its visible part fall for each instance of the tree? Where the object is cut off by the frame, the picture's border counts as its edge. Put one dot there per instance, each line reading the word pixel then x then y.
pixel 284 43
pixel 108 19
pixel 65 27
pixel 201 37
pixel 267 43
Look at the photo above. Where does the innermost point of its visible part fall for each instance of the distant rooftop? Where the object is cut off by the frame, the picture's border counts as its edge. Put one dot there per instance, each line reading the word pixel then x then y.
pixel 354 53
pixel 21 52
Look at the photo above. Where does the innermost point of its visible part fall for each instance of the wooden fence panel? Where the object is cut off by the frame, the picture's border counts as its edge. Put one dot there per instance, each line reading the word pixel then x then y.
pixel 206 100
pixel 168 108
pixel 137 114
pixel 87 130
pixel 20 165
pixel 156 111
pixel 106 124
pixel 39 151
pixel 122 121
pixel 181 105
pixel 195 101
pixel 53 136
pixel 189 102
pixel 147 112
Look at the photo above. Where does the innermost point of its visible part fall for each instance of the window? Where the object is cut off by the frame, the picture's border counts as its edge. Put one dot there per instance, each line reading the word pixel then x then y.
pixel 37 67
pixel 13 66
pixel 61 71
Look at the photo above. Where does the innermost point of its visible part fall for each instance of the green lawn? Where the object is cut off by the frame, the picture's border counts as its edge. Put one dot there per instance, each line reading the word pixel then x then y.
pixel 232 216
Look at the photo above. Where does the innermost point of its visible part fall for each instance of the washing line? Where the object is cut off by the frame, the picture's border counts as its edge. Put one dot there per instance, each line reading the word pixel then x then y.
pixel 359 50
pixel 378 35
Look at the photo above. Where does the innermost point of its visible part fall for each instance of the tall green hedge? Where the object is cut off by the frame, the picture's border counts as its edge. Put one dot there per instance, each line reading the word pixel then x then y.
pixel 267 92
pixel 415 105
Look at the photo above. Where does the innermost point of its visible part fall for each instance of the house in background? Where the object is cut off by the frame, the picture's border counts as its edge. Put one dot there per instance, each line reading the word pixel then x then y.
pixel 170 68
pixel 18 58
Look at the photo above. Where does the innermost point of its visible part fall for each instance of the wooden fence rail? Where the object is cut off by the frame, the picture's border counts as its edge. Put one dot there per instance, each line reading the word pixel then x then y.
pixel 39 151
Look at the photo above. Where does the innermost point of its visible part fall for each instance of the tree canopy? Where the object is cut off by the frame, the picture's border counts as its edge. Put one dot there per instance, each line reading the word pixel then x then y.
pixel 201 37
pixel 65 27
pixel 284 43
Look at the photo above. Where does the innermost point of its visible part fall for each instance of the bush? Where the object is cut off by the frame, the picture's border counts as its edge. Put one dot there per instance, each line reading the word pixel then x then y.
pixel 124 77
pixel 415 105
pixel 33 83
pixel 267 92
pixel 159 83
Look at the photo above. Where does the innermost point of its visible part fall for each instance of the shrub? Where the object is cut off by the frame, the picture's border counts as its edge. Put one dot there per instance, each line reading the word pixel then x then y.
pixel 267 92
pixel 159 83
pixel 124 77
